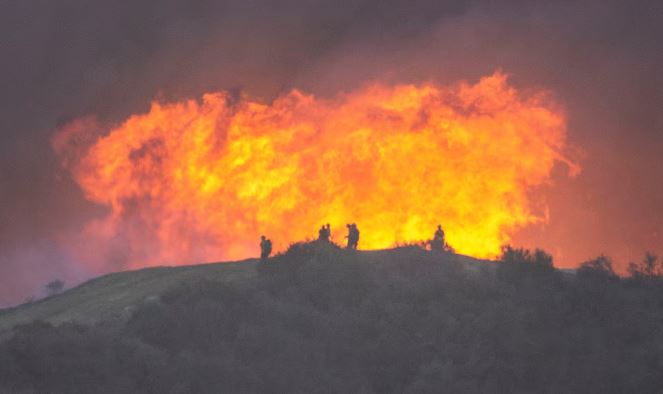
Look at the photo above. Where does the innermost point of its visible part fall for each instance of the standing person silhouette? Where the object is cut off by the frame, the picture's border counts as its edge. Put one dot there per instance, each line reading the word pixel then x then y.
pixel 324 233
pixel 353 236
pixel 265 247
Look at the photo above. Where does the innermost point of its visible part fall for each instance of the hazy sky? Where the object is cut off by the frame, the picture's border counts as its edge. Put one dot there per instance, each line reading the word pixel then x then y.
pixel 70 58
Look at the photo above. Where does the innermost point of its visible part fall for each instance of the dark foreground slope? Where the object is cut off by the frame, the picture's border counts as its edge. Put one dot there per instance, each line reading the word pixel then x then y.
pixel 115 296
pixel 323 320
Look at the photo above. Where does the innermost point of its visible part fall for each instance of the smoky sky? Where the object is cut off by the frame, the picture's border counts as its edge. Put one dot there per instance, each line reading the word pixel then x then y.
pixel 602 61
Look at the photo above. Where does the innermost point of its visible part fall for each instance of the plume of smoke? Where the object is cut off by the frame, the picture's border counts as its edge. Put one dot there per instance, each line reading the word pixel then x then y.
pixel 74 57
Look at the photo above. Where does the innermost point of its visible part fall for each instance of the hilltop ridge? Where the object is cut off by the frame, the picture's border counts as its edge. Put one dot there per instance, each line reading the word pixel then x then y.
pixel 321 319
pixel 115 296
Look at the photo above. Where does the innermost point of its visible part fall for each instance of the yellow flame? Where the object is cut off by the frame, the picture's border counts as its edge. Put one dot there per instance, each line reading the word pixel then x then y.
pixel 193 181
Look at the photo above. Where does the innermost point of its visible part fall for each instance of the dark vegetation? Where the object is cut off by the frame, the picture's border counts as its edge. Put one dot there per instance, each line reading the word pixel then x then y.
pixel 320 319
pixel 54 287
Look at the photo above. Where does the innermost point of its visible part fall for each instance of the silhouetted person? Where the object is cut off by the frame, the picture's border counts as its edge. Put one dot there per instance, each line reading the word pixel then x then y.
pixel 438 239
pixel 324 233
pixel 353 236
pixel 265 247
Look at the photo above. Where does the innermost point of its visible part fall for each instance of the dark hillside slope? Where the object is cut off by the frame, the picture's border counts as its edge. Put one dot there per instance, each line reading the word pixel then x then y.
pixel 319 319
pixel 114 296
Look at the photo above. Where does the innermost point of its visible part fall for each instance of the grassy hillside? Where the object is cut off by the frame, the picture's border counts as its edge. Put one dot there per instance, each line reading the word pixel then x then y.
pixel 319 319
pixel 115 296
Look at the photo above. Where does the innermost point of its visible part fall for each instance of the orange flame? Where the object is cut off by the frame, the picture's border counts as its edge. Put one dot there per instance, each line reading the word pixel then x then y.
pixel 194 181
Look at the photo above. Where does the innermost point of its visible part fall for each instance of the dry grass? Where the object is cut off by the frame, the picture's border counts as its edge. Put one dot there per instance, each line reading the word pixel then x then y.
pixel 114 296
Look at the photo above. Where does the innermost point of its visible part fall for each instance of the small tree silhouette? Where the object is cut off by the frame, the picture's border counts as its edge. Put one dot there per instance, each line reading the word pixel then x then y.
pixel 599 268
pixel 520 256
pixel 54 287
pixel 519 265
pixel 650 267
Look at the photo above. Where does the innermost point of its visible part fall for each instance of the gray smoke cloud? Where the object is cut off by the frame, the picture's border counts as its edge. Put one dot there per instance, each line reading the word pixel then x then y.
pixel 71 58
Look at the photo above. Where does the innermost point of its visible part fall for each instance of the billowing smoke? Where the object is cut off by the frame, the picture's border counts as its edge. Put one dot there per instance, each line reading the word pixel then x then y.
pixel 77 58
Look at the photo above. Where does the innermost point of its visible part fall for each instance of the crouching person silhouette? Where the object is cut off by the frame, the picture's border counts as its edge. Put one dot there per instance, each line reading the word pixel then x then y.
pixel 438 242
